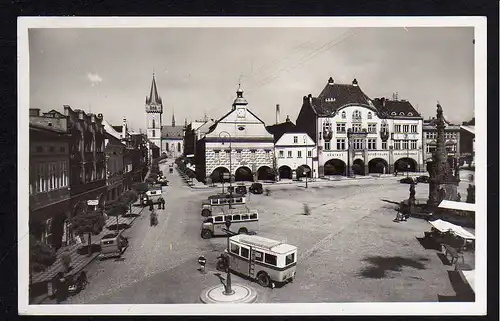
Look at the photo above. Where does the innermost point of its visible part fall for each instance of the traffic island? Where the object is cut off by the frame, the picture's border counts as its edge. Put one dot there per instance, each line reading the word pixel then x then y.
pixel 240 294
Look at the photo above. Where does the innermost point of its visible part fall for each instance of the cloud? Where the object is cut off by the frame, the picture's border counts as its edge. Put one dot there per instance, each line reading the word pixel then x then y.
pixel 94 78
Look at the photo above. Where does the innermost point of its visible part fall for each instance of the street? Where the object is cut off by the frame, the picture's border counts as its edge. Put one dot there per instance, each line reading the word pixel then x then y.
pixel 350 250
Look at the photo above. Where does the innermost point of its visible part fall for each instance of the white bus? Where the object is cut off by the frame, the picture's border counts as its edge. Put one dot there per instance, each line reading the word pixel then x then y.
pixel 262 259
pixel 221 200
pixel 242 221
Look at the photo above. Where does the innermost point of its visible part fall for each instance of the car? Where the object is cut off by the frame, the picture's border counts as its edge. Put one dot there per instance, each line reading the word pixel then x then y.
pixel 163 181
pixel 241 189
pixel 423 179
pixel 407 180
pixel 256 188
pixel 113 244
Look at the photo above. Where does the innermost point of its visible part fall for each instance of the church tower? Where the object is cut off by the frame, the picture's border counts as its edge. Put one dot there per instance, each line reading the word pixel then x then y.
pixel 154 111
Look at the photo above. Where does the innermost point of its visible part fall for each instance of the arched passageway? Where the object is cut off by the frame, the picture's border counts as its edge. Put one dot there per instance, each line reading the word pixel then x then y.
pixel 216 175
pixel 285 172
pixel 334 167
pixel 303 171
pixel 378 165
pixel 405 164
pixel 358 167
pixel 265 173
pixel 243 174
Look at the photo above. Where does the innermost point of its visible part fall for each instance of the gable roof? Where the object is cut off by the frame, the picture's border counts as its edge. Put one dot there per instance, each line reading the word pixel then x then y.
pixel 280 129
pixel 469 128
pixel 172 131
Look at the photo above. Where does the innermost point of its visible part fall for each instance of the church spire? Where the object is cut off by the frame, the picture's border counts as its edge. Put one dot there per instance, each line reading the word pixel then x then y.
pixel 154 98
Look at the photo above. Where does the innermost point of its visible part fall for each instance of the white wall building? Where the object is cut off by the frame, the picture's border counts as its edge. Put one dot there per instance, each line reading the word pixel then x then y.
pixel 369 136
pixel 238 143
pixel 294 152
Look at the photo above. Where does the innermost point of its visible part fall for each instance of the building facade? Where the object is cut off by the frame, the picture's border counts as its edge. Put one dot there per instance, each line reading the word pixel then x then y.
pixel 49 199
pixel 452 139
pixel 356 134
pixel 295 154
pixel 115 166
pixel 87 162
pixel 468 145
pixel 238 143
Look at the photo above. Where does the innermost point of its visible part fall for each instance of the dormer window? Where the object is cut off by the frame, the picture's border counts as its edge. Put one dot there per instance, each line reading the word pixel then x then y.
pixel 356 115
pixel 410 114
pixel 401 114
pixel 344 115
pixel 393 113
pixel 370 115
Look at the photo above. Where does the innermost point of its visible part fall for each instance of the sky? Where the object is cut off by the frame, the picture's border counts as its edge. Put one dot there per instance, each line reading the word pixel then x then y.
pixel 197 70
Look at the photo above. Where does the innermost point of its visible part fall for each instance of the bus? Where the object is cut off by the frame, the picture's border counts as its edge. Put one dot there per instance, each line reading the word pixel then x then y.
pixel 220 200
pixel 262 259
pixel 242 221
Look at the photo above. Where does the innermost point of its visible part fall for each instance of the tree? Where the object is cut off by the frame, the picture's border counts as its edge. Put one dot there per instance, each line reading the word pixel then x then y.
pixel 116 208
pixel 128 198
pixel 89 223
pixel 41 255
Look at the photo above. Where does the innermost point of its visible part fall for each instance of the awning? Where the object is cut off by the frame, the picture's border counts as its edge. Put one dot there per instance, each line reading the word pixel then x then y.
pixel 444 226
pixel 461 206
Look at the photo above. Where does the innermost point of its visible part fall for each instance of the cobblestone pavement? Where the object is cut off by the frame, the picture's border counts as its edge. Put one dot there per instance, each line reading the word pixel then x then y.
pixel 349 248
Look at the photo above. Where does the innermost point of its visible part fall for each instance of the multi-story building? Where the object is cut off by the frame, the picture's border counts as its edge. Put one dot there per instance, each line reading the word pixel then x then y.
pixel 468 145
pixel 355 132
pixel 294 151
pixel 49 198
pixel 237 143
pixel 115 151
pixel 138 153
pixel 452 139
pixel 87 160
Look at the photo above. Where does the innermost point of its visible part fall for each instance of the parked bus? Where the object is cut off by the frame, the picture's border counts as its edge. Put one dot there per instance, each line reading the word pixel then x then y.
pixel 262 259
pixel 242 221
pixel 220 200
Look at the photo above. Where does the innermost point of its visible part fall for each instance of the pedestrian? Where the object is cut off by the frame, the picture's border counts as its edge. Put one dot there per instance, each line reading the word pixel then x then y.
pixel 152 218
pixel 160 199
pixel 459 197
pixel 306 209
pixel 151 207
pixel 399 217
pixel 163 203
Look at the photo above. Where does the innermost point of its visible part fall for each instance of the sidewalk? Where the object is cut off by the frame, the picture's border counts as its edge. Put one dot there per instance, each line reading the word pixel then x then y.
pixel 78 261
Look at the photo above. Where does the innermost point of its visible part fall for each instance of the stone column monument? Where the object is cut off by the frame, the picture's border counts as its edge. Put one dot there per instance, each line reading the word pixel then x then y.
pixel 443 180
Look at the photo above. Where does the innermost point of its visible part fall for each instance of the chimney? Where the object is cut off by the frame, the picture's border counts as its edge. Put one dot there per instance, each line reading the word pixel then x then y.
pixel 124 128
pixel 330 81
pixel 277 113
pixel 310 97
pixel 34 112
pixel 355 82
pixel 383 101
pixel 287 118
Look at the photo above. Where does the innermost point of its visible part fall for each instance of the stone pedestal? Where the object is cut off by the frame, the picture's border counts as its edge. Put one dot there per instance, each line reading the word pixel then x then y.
pixel 241 294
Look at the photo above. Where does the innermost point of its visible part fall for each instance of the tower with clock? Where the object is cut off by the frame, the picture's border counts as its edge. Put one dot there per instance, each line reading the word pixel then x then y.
pixel 154 111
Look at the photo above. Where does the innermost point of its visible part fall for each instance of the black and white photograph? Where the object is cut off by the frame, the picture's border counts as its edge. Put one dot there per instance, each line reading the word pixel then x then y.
pixel 252 165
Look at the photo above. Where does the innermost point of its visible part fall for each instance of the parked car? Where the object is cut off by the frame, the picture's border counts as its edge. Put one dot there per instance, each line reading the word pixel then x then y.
pixel 423 179
pixel 241 189
pixel 113 244
pixel 256 188
pixel 163 181
pixel 407 180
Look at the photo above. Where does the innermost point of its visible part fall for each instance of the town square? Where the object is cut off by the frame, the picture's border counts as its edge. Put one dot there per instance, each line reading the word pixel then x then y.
pixel 304 170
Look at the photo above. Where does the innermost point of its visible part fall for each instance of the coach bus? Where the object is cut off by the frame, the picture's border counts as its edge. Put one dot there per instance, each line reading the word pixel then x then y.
pixel 221 200
pixel 262 259
pixel 242 221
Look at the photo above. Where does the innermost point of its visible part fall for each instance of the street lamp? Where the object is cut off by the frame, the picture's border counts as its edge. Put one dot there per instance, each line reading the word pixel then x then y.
pixel 349 134
pixel 230 162
pixel 305 168
pixel 407 155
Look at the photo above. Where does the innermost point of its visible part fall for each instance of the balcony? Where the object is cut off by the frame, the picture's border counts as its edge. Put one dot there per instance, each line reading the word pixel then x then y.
pixel 327 134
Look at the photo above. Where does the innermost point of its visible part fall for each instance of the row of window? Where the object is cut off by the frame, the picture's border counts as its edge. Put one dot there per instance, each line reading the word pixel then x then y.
pixel 447 135
pixel 356 115
pixel 405 128
pixel 355 127
pixel 432 148
pixel 244 252
pixel 50 149
pixel 371 144
pixel 49 176
pixel 281 154
pixel 234 218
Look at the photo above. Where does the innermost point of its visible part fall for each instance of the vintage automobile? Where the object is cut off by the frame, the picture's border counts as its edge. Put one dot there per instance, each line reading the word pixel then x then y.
pixel 423 179
pixel 256 188
pixel 408 180
pixel 163 181
pixel 112 245
pixel 241 189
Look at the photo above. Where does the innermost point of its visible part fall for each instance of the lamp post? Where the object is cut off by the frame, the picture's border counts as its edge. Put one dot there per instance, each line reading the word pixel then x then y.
pixel 407 155
pixel 230 162
pixel 349 134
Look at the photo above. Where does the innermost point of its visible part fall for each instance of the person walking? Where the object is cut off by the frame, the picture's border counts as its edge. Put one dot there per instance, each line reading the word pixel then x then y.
pixel 163 203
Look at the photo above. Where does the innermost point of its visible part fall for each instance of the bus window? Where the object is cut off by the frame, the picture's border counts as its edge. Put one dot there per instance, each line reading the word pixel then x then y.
pixel 270 259
pixel 235 248
pixel 244 217
pixel 239 200
pixel 219 219
pixel 290 258
pixel 245 252
pixel 222 201
pixel 236 217
pixel 253 216
pixel 258 256
pixel 209 220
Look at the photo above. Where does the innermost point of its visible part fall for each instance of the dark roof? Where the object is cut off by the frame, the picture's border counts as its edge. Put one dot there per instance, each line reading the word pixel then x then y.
pixel 117 128
pixel 335 96
pixel 172 131
pixel 393 108
pixel 153 98
pixel 46 129
pixel 279 130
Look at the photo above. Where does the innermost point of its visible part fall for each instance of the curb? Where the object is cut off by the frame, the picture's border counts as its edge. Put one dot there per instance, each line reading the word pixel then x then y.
pixel 42 298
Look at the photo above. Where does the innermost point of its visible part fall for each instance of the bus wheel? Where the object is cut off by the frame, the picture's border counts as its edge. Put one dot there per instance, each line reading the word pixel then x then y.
pixel 206 234
pixel 205 213
pixel 263 279
pixel 243 230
